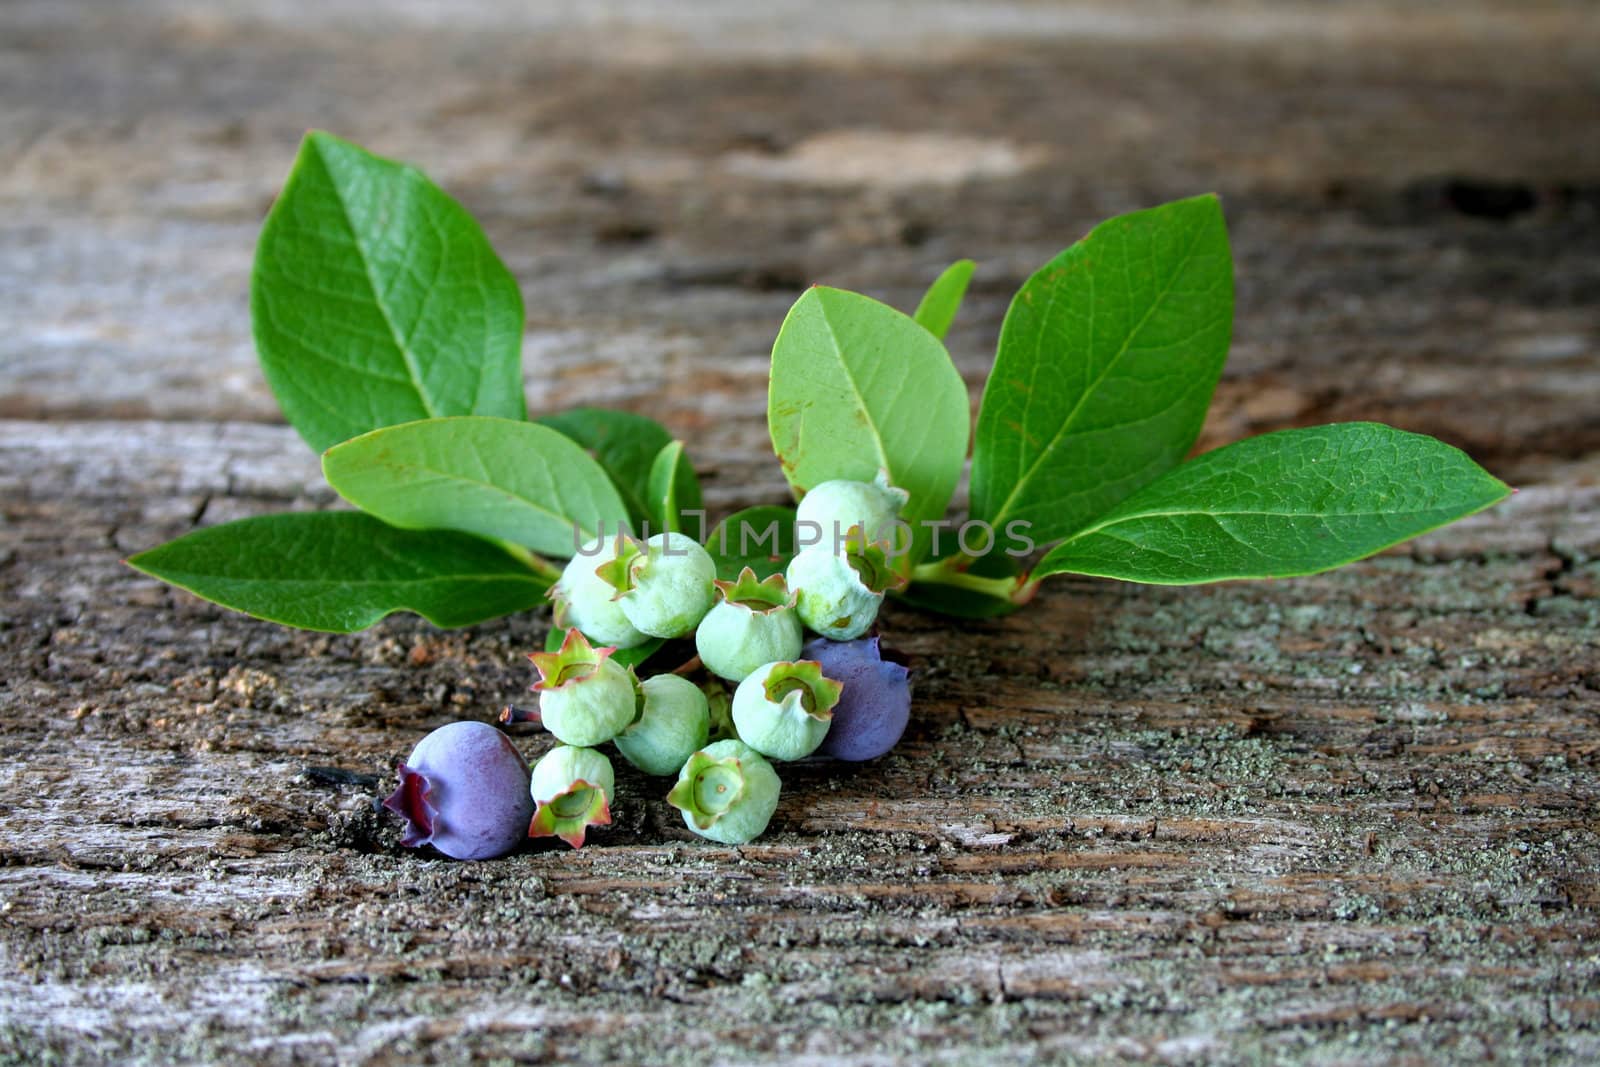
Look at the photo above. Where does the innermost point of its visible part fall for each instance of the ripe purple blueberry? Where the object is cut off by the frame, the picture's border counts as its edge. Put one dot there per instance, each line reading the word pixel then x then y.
pixel 875 705
pixel 464 790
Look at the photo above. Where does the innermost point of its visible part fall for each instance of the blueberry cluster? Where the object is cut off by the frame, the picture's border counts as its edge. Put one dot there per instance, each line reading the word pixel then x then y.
pixel 834 695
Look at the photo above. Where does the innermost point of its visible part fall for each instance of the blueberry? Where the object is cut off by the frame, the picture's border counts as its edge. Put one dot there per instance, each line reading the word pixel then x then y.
pixel 752 623
pixel 674 721
pixel 875 705
pixel 464 790
pixel 585 697
pixel 782 710
pixel 838 595
pixel 727 792
pixel 664 586
pixel 585 601
pixel 833 508
pixel 572 790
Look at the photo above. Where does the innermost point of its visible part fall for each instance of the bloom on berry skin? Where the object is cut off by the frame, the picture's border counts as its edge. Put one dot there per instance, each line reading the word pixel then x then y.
pixel 783 710
pixel 664 586
pixel 572 791
pixel 752 623
pixel 464 790
pixel 585 697
pixel 726 792
pixel 875 705
pixel 673 721
pixel 585 601
pixel 838 595
pixel 837 506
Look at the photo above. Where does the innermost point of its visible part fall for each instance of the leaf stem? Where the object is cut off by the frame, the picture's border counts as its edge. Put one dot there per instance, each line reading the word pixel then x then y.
pixel 949 571
pixel 537 564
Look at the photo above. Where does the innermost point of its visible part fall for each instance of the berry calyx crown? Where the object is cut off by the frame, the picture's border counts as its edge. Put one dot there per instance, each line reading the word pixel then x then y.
pixel 575 661
pixel 761 597
pixel 569 814
pixel 802 686
pixel 871 562
pixel 708 788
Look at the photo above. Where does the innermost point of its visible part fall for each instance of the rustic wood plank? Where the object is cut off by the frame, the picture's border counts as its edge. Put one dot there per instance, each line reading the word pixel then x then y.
pixel 1348 818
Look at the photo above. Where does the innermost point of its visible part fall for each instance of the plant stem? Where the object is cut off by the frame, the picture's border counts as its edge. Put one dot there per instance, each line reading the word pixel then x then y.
pixel 1018 590
pixel 537 564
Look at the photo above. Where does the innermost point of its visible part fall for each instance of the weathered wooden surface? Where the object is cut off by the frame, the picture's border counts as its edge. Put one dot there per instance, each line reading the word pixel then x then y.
pixel 1344 819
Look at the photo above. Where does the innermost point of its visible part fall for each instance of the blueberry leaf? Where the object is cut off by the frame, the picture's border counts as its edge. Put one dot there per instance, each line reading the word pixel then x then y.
pixel 857 387
pixel 943 299
pixel 511 481
pixel 342 571
pixel 675 502
pixel 377 300
pixel 625 444
pixel 1107 361
pixel 955 601
pixel 761 538
pixel 1280 505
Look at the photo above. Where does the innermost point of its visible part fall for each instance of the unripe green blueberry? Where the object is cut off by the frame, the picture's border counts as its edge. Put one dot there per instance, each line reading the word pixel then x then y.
pixel 783 710
pixel 837 506
pixel 664 586
pixel 838 595
pixel 587 602
pixel 585 697
pixel 752 623
pixel 727 792
pixel 673 722
pixel 572 789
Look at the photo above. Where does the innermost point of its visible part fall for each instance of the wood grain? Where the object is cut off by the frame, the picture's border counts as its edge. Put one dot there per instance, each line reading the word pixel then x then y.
pixel 1343 819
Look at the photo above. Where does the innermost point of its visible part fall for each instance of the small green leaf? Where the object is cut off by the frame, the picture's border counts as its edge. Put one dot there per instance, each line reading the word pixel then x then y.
pixel 761 538
pixel 341 571
pixel 377 300
pixel 858 387
pixel 675 502
pixel 1107 361
pixel 1281 505
pixel 943 299
pixel 625 444
pixel 511 481
pixel 627 657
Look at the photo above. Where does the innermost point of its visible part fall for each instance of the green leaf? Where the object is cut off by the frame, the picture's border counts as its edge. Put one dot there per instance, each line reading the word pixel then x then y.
pixel 627 657
pixel 943 299
pixel 1280 505
pixel 511 481
pixel 341 571
pixel 377 300
pixel 761 538
pixel 625 444
pixel 675 502
pixel 955 601
pixel 858 386
pixel 1107 361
